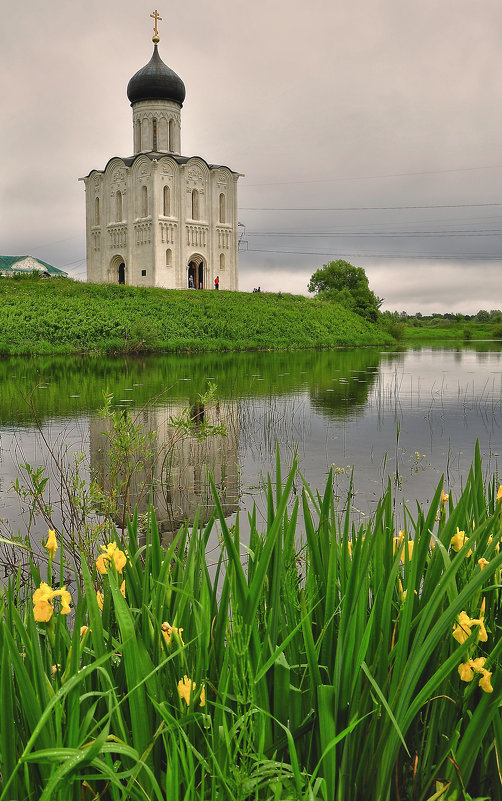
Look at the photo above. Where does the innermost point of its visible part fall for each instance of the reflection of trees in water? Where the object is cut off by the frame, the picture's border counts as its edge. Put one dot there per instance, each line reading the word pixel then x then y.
pixel 72 385
pixel 337 384
pixel 341 385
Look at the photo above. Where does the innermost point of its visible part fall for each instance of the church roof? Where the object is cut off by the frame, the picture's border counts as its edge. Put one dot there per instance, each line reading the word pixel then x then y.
pixel 156 81
pixel 26 264
pixel 153 156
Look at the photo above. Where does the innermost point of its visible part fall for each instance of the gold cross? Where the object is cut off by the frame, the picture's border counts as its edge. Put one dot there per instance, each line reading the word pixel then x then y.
pixel 156 17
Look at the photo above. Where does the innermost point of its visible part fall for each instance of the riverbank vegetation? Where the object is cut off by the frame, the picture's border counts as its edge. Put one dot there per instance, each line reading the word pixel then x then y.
pixel 350 662
pixel 64 316
pixel 443 327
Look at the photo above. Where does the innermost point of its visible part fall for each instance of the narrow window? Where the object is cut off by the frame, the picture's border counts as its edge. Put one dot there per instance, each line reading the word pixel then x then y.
pixel 222 262
pixel 222 208
pixel 154 135
pixel 96 211
pixel 144 134
pixel 144 204
pixel 169 257
pixel 167 201
pixel 195 204
pixel 137 146
pixel 170 145
pixel 143 272
pixel 118 206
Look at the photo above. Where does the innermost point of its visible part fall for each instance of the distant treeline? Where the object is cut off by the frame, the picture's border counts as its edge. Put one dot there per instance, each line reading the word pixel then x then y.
pixel 482 316
pixel 483 325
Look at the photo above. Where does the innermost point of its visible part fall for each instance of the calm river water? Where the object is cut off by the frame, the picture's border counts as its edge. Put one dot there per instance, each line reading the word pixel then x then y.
pixel 411 416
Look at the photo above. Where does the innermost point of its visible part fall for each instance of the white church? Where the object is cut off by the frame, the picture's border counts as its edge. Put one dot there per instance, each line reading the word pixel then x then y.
pixel 158 218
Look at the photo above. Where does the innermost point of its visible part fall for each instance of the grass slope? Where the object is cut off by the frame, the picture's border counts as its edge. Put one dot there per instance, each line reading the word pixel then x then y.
pixel 62 316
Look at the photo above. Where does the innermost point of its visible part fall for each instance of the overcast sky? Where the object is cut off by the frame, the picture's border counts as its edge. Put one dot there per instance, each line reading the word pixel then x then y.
pixel 369 130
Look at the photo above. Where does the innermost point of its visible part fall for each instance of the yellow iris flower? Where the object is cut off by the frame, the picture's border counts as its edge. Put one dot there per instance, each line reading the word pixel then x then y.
pixel 43 608
pixel 185 689
pixel 51 543
pixel 111 554
pixel 168 631
pixel 398 541
pixel 467 669
pixel 485 682
pixel 458 541
pixel 462 631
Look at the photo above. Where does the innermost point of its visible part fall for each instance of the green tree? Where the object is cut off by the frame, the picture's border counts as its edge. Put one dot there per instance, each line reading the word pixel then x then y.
pixel 343 283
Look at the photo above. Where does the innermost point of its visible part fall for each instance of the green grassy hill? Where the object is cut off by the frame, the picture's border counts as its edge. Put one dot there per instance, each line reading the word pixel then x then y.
pixel 63 316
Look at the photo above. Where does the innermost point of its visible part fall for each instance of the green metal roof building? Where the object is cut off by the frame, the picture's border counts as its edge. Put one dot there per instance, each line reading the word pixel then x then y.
pixel 12 265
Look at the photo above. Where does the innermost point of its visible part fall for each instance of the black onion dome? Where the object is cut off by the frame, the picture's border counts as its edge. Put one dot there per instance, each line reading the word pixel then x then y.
pixel 156 81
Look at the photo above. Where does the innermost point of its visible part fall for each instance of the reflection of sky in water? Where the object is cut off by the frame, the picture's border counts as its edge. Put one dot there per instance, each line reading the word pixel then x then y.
pixel 423 414
pixel 441 400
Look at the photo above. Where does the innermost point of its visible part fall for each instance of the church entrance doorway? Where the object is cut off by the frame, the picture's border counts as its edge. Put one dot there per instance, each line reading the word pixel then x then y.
pixel 196 273
pixel 117 271
pixel 192 275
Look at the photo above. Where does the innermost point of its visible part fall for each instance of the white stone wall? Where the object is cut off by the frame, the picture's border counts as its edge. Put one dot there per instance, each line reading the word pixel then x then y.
pixel 126 223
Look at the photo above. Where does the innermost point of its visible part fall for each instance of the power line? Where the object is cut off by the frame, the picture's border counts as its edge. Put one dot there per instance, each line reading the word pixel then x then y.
pixel 377 177
pixel 373 234
pixel 423 257
pixel 370 208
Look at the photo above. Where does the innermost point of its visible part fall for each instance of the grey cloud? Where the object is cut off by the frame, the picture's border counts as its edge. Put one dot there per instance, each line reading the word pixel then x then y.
pixel 312 102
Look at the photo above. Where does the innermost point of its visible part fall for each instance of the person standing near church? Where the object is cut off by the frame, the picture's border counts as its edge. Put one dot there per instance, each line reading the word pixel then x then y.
pixel 217 282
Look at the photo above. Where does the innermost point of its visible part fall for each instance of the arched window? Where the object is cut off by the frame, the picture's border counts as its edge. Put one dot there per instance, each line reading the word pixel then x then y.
pixel 144 134
pixel 118 206
pixel 222 208
pixel 167 201
pixel 96 211
pixel 222 262
pixel 137 137
pixel 154 135
pixel 162 136
pixel 195 204
pixel 169 257
pixel 144 201
pixel 170 145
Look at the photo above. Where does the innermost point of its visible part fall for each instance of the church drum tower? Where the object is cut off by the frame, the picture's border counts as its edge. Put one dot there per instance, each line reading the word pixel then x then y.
pixel 158 218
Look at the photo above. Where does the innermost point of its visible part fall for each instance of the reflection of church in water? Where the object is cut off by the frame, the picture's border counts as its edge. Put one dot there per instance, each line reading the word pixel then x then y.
pixel 175 478
pixel 158 218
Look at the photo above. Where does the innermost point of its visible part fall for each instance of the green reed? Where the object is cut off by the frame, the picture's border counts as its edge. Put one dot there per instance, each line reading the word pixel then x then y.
pixel 321 670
